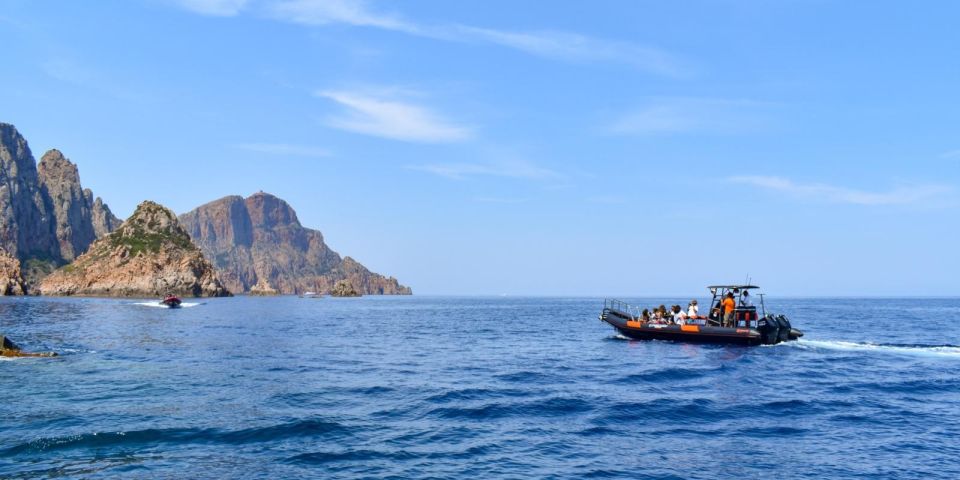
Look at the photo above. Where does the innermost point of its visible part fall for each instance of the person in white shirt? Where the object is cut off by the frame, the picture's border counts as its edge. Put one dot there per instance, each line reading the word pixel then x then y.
pixel 679 317
pixel 692 309
pixel 745 299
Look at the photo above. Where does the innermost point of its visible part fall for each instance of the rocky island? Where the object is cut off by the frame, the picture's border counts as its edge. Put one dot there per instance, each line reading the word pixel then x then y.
pixel 257 244
pixel 148 256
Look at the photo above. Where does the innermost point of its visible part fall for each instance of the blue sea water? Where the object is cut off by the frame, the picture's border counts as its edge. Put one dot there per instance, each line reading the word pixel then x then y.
pixel 423 387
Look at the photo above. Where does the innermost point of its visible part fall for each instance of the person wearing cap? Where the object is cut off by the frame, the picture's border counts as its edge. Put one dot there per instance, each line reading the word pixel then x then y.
pixel 729 305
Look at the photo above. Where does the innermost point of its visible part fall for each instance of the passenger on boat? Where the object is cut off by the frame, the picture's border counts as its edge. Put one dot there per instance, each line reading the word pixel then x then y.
pixel 657 315
pixel 679 317
pixel 645 316
pixel 729 304
pixel 692 309
pixel 745 299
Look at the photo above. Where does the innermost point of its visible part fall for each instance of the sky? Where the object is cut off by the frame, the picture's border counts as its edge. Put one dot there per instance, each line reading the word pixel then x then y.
pixel 527 147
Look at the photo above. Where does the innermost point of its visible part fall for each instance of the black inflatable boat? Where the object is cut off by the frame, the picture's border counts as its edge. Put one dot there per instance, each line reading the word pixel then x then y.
pixel 740 324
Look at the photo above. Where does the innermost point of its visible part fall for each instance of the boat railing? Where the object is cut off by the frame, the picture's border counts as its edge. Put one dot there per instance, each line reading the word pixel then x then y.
pixel 621 306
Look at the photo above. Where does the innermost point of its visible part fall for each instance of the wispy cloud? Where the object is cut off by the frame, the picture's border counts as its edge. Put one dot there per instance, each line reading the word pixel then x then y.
pixel 507 169
pixel 348 12
pixel 916 194
pixel 219 8
pixel 372 114
pixel 693 115
pixel 572 47
pixel 565 46
pixel 70 71
pixel 84 75
pixel 284 149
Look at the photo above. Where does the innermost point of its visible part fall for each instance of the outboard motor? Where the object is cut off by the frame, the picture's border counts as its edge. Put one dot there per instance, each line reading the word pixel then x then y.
pixel 769 329
pixel 784 334
pixel 795 334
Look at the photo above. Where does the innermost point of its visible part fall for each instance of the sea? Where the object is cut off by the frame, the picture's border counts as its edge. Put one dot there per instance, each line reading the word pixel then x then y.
pixel 472 387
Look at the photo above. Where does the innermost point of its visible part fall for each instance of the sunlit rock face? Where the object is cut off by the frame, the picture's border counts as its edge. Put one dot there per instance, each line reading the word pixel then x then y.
pixel 259 239
pixel 148 256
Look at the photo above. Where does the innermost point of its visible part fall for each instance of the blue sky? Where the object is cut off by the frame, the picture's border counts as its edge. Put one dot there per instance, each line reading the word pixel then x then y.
pixel 527 147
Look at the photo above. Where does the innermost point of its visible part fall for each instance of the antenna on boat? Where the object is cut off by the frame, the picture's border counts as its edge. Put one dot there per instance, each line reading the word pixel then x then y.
pixel 762 306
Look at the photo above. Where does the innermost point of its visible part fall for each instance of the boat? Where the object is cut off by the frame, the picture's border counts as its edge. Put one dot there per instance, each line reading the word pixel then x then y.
pixel 746 327
pixel 171 301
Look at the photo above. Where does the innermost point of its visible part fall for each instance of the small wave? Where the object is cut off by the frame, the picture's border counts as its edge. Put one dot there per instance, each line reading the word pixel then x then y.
pixel 160 305
pixel 349 456
pixel 552 407
pixel 474 394
pixel 680 412
pixel 946 350
pixel 300 428
pixel 665 375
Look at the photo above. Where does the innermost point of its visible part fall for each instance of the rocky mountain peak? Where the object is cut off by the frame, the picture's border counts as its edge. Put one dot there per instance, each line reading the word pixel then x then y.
pixel 267 211
pixel 25 223
pixel 54 167
pixel 150 229
pixel 16 160
pixel 153 218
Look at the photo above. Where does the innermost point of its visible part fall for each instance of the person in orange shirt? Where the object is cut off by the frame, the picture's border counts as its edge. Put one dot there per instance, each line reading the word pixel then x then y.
pixel 728 305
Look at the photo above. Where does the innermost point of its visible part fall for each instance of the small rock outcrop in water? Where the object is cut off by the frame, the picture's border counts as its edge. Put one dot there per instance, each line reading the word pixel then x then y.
pixel 11 280
pixel 260 238
pixel 344 288
pixel 149 255
pixel 263 288
pixel 10 349
pixel 46 218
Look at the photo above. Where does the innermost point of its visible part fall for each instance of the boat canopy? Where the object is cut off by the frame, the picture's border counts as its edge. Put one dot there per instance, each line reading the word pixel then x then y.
pixel 732 287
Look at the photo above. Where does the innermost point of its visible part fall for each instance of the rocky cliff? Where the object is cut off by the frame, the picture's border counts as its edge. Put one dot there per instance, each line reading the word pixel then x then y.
pixel 46 218
pixel 78 218
pixel 25 221
pixel 11 280
pixel 148 256
pixel 260 238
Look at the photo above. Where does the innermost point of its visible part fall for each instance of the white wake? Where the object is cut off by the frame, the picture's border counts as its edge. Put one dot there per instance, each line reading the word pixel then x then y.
pixel 922 350
pixel 157 304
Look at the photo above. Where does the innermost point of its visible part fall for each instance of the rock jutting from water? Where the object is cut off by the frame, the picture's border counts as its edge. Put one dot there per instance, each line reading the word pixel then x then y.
pixel 343 288
pixel 263 288
pixel 10 349
pixel 46 218
pixel 149 255
pixel 260 237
